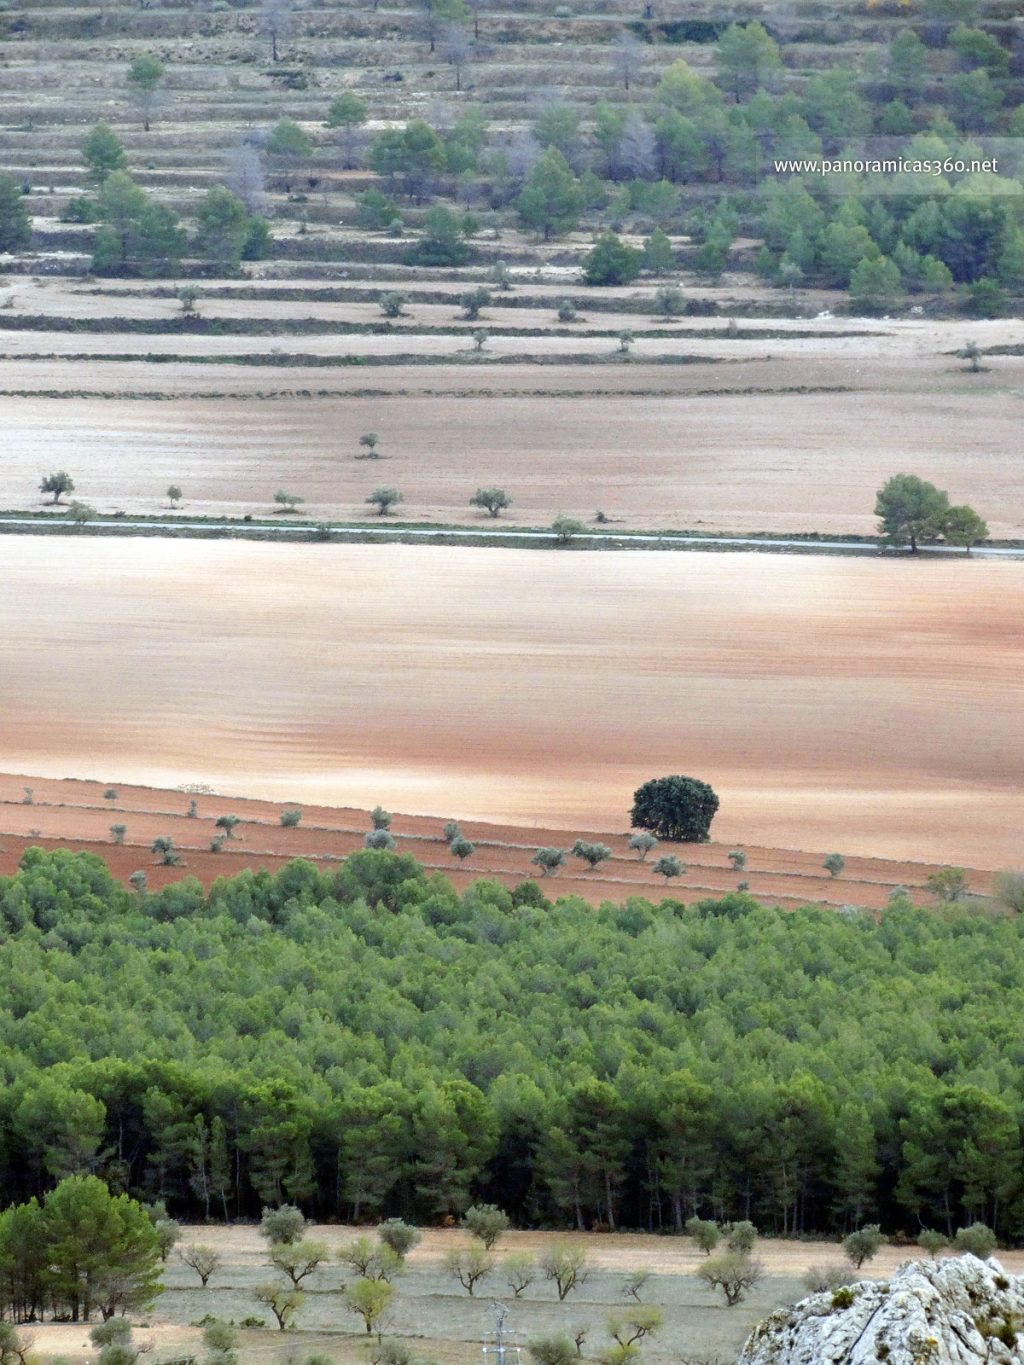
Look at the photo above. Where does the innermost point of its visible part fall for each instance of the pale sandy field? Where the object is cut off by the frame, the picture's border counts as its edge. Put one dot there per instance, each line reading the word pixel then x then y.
pixel 873 707
pixel 725 443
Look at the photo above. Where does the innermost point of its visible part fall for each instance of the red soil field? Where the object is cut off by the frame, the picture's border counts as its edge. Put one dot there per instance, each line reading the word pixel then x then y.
pixel 75 814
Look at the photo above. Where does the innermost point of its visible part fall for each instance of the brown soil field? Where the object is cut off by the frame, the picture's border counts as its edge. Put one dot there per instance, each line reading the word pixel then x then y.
pixel 867 706
pixel 440 1320
pixel 790 432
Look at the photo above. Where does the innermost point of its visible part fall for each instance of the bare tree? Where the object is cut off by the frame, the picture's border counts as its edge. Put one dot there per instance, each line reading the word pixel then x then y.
pixel 245 176
pixel 276 23
pixel 637 152
pixel 457 50
pixel 475 8
pixel 627 58
pixel 202 1259
pixel 522 152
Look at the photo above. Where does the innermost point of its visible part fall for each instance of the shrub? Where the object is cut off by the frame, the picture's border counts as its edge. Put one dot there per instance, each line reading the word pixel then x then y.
pixel 291 817
pixel 612 262
pixel 392 305
pixel 567 311
pixel 977 1240
pixel 834 864
pixel 819 1279
pixel 473 300
pixel 379 839
pixel 670 301
pixel 931 1241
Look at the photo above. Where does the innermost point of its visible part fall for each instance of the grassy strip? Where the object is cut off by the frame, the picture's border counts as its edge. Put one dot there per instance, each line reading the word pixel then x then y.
pixel 259 395
pixel 279 360
pixel 193 325
pixel 443 533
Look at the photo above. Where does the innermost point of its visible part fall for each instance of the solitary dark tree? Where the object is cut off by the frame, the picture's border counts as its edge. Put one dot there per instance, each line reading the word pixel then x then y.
pixel 910 509
pixel 15 225
pixel 227 823
pixel 679 808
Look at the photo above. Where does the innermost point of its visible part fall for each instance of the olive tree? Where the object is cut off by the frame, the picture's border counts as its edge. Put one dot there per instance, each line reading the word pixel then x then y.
pixel 58 484
pixel 834 864
pixel 564 528
pixel 591 854
pixel 282 1226
pixel 734 1273
pixel 668 866
pixel 548 860
pixel 299 1260
pixel 486 1222
pixel 380 839
pixel 399 1236
pixel 492 500
pixel 641 844
pixel 864 1244
pixel 284 1301
pixel 384 499
pixel 164 846
pixel 705 1232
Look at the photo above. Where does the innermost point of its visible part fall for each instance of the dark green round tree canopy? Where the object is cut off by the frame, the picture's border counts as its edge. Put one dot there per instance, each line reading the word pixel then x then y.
pixel 679 808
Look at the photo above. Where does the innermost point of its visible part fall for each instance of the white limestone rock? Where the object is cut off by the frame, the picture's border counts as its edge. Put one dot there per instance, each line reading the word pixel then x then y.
pixel 959 1311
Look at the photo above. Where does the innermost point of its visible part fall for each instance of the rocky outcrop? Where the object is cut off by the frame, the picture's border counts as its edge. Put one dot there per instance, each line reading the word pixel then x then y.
pixel 959 1311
